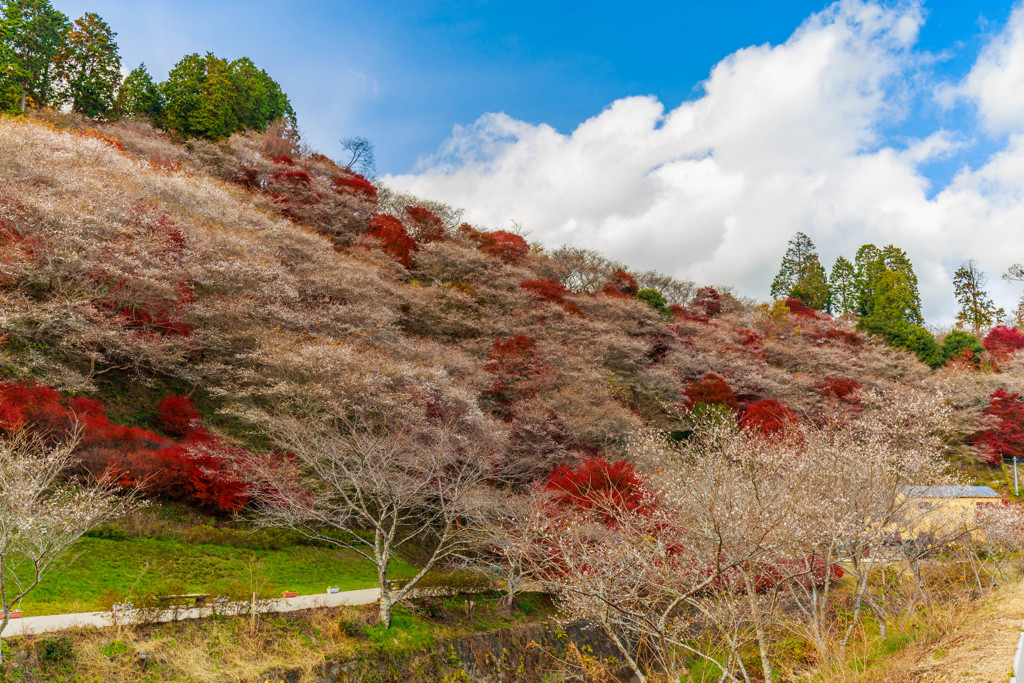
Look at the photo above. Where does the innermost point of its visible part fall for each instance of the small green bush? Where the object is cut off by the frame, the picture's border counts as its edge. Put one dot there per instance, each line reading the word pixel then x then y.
pixel 56 650
pixel 114 648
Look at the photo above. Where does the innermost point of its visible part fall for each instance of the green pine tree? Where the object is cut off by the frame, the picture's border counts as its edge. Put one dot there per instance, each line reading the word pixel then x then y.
pixel 801 275
pixel 139 97
pixel 259 99
pixel 877 288
pixel 842 288
pixel 208 97
pixel 199 94
pixel 896 260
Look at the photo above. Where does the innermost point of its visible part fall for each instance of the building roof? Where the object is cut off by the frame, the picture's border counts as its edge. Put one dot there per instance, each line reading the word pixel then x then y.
pixel 952 492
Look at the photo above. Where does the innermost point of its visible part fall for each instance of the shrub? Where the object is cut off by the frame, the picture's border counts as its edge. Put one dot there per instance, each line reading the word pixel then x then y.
pixel 57 650
pixel 293 177
pixel 1002 342
pixel 393 238
pixel 177 415
pixel 1006 437
pixel 547 290
pixel 904 335
pixel 431 608
pixel 707 302
pixel 427 226
pixel 517 369
pixel 710 390
pixel 839 388
pixel 623 283
pixel 959 345
pixel 356 184
pixel 768 417
pixel 597 484
pixel 800 309
pixel 654 299
pixel 505 246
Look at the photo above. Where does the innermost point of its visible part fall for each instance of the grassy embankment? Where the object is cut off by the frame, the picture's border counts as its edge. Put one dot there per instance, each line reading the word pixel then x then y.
pixel 417 647
pixel 171 550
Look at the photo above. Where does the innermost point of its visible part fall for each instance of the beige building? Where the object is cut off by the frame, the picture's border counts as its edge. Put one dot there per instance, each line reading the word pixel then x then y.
pixel 946 507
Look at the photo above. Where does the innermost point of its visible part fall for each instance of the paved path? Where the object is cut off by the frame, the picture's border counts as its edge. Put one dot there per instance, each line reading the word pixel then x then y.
pixel 60 622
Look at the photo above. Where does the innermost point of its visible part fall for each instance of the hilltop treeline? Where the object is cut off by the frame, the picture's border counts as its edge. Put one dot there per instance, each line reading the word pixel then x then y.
pixel 46 60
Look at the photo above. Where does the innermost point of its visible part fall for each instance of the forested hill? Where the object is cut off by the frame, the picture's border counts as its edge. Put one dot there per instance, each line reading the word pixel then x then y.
pixel 181 281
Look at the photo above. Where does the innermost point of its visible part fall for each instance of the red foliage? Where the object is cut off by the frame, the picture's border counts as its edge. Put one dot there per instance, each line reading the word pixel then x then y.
pixel 106 139
pixel 611 290
pixel 768 417
pixel 517 369
pixel 356 184
pixel 395 241
pixel 35 407
pixel 1002 342
pixel 597 484
pixel 839 388
pixel 711 390
pixel 505 246
pixel 747 337
pixel 196 471
pixel 428 227
pixel 623 282
pixel 683 313
pixel 11 417
pixel 247 176
pixel 544 289
pixel 177 415
pixel 800 309
pixel 1006 437
pixel 707 302
pixel 12 237
pixel 284 159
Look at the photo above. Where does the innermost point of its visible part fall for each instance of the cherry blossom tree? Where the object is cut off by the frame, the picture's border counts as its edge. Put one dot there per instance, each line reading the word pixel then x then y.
pixel 42 514
pixel 377 486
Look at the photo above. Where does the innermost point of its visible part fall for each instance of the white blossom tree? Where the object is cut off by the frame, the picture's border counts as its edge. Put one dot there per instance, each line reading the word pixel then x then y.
pixel 378 486
pixel 42 514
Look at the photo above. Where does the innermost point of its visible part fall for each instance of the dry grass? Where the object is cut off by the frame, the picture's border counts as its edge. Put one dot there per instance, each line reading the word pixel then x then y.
pixel 967 642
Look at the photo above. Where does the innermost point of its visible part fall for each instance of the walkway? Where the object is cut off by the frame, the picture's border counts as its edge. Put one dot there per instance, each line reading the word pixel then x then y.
pixel 60 622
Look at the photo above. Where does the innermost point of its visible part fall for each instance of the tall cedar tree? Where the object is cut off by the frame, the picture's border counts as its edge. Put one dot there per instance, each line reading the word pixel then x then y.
pixel 886 284
pixel 139 97
pixel 90 66
pixel 801 275
pixel 977 310
pixel 208 97
pixel 258 98
pixel 31 36
pixel 842 288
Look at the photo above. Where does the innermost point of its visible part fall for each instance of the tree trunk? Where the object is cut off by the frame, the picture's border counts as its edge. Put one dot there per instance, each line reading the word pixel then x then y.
pixel 505 606
pixel 759 632
pixel 385 608
pixel 22 101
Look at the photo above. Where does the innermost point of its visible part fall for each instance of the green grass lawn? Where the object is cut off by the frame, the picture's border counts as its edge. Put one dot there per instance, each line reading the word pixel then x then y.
pixel 99 572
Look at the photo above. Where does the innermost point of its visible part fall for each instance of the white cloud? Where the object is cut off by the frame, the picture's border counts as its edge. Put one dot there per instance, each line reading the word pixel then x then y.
pixel 996 82
pixel 784 138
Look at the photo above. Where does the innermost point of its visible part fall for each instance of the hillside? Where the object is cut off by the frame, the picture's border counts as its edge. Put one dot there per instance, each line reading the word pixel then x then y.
pixel 135 268
pixel 176 299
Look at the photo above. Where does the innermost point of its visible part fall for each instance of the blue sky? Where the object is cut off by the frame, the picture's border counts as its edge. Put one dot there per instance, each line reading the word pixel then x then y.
pixel 403 74
pixel 692 138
